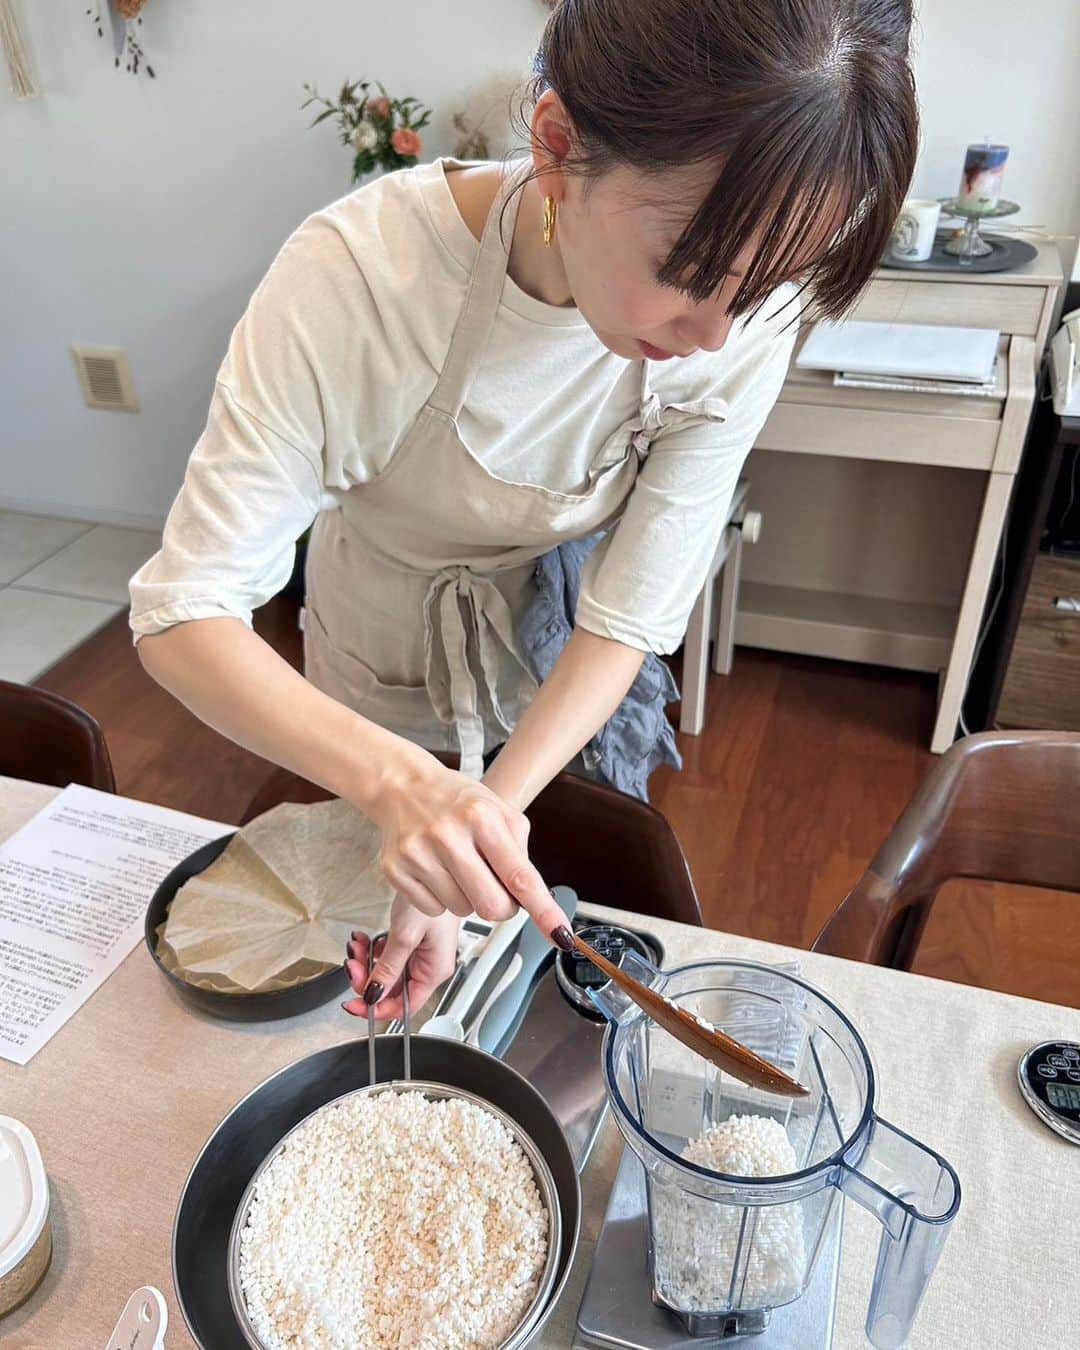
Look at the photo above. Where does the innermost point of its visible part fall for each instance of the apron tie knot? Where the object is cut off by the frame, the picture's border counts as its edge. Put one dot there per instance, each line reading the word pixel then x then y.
pixel 466 612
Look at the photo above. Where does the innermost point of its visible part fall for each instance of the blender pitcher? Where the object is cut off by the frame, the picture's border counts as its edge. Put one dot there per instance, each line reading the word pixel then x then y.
pixel 725 1248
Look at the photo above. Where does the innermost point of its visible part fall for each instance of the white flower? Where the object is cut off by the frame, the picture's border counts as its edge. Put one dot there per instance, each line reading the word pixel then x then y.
pixel 365 137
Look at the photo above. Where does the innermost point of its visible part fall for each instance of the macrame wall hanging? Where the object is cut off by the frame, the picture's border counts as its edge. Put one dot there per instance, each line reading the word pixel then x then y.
pixel 16 52
pixel 124 17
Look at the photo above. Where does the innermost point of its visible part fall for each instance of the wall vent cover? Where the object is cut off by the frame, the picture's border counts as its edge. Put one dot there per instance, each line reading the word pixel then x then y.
pixel 105 377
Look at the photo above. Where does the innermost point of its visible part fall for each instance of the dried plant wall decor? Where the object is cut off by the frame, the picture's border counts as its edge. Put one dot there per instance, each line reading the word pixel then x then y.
pixel 16 51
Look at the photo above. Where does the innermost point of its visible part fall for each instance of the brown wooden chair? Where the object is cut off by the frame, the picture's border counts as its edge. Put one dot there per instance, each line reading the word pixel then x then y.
pixel 999 806
pixel 49 739
pixel 612 849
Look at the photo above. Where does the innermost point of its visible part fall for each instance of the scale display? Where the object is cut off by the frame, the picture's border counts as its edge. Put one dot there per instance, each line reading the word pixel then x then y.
pixel 1049 1077
pixel 1066 1098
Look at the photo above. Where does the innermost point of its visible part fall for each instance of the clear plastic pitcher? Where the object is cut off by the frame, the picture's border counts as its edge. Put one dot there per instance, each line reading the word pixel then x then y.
pixel 725 1248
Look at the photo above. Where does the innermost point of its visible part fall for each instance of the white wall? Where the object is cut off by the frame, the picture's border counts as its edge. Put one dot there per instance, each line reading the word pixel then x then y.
pixel 1006 70
pixel 141 213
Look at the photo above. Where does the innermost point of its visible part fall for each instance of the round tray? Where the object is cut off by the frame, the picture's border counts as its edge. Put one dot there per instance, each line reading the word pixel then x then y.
pixel 254 1127
pixel 278 1003
pixel 1006 253
pixel 952 206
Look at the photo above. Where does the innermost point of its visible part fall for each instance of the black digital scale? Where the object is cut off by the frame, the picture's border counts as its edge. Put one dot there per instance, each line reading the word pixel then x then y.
pixel 1049 1076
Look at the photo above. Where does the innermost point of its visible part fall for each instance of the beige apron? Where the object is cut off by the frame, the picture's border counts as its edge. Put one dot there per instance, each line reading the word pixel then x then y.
pixel 415 577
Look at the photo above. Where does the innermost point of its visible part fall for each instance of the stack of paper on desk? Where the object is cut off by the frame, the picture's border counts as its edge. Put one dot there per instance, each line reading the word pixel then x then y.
pixel 912 385
pixel 907 350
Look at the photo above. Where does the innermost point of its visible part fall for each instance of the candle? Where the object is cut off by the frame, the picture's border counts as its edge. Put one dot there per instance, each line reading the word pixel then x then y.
pixel 913 233
pixel 980 184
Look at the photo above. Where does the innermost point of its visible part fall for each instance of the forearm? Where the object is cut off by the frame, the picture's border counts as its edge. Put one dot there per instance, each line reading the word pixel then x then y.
pixel 236 683
pixel 585 686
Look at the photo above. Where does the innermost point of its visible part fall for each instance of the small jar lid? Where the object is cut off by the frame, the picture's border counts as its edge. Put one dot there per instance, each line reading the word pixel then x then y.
pixel 24 1193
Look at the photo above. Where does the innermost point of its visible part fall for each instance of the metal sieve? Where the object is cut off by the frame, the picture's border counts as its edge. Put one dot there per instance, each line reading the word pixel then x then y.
pixel 545 1184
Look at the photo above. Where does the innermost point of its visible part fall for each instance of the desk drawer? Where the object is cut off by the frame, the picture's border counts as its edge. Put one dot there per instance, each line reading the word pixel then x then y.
pixel 1042 686
pixel 866 433
pixel 1012 309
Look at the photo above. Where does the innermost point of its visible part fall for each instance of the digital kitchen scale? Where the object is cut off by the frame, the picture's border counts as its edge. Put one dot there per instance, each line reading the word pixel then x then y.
pixel 1049 1077
pixel 617 1311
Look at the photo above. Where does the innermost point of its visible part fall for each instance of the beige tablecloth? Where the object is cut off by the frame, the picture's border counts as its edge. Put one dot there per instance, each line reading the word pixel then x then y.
pixel 123 1097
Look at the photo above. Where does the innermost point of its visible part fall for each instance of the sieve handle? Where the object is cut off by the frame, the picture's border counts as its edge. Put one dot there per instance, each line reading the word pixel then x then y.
pixel 372 1075
pixel 406 1020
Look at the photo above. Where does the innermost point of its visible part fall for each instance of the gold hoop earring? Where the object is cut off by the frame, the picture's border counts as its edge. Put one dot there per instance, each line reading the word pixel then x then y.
pixel 550 212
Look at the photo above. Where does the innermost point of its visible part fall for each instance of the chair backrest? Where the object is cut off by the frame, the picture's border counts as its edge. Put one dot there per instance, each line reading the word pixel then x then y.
pixel 48 739
pixel 999 806
pixel 610 848
pixel 283 786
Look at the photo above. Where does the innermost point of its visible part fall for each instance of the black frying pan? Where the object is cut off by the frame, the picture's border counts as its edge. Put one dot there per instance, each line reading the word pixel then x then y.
pixel 254 1127
pixel 300 998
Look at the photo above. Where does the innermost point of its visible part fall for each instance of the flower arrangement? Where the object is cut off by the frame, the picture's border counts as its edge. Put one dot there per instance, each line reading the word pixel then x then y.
pixel 382 132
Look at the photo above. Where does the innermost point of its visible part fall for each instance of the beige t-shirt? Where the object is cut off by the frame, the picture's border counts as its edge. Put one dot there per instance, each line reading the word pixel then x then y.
pixel 341 345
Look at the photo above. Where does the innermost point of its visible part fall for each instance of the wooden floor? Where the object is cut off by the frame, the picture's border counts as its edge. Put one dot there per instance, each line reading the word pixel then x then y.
pixel 800 772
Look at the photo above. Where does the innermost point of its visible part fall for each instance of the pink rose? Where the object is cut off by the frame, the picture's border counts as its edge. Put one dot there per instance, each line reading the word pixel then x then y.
pixel 378 107
pixel 406 142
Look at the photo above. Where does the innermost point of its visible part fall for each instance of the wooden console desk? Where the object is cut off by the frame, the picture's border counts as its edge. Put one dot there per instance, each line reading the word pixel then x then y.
pixel 792 601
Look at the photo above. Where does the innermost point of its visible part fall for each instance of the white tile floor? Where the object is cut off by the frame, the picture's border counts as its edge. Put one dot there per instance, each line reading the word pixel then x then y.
pixel 60 580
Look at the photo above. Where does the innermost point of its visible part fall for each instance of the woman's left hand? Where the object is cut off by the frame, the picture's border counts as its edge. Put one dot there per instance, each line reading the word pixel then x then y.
pixel 428 945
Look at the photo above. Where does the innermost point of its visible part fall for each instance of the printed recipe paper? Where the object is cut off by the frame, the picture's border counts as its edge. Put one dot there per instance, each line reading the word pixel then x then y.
pixel 74 885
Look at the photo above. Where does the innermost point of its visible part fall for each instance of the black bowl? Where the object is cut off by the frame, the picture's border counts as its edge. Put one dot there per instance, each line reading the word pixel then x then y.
pixel 256 1125
pixel 278 1003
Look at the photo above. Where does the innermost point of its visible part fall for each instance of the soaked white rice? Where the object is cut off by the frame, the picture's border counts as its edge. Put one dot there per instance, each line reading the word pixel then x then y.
pixel 393 1222
pixel 700 1244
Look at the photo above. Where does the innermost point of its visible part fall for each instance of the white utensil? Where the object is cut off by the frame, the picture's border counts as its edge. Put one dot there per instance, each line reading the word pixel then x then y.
pixel 449 1028
pixel 503 936
pixel 142 1323
pixel 472 936
pixel 507 978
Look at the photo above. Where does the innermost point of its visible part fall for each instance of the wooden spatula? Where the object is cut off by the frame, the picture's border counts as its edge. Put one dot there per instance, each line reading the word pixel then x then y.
pixel 722 1050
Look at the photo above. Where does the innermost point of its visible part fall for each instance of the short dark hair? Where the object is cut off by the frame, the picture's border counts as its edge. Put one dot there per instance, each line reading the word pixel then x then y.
pixel 807 106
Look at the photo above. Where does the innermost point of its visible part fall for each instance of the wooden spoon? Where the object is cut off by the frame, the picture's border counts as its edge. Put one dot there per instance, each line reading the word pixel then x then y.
pixel 719 1049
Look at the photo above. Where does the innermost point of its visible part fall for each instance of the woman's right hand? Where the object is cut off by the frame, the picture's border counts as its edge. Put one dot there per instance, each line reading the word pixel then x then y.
pixel 449 843
pixel 450 847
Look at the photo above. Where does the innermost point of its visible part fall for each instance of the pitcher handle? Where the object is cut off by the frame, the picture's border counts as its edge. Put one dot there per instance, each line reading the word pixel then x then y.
pixel 915 1194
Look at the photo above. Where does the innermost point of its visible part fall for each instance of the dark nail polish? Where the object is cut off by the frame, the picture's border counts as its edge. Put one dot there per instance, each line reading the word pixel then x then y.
pixel 356 935
pixel 564 938
pixel 350 947
pixel 373 992
pixel 349 1010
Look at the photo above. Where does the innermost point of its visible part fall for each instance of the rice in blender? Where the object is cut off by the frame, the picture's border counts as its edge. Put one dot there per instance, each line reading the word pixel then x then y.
pixel 696 1241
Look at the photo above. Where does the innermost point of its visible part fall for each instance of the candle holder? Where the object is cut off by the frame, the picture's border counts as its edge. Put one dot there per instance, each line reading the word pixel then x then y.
pixel 971 244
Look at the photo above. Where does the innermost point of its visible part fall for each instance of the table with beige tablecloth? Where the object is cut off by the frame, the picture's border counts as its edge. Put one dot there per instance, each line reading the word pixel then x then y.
pixel 124 1096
